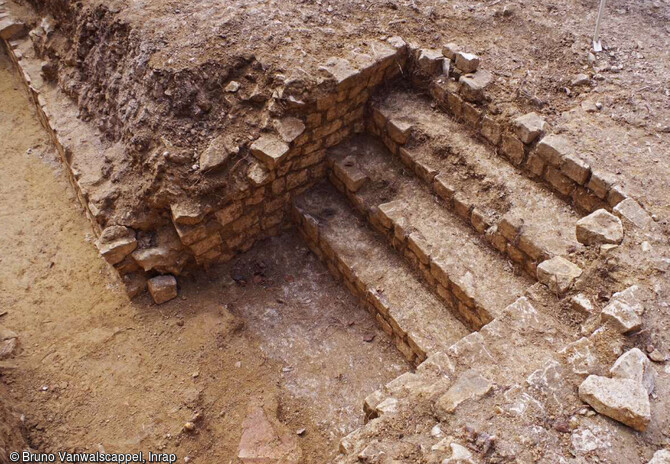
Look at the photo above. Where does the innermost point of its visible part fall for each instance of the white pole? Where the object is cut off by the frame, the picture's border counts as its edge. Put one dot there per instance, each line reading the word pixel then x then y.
pixel 597 46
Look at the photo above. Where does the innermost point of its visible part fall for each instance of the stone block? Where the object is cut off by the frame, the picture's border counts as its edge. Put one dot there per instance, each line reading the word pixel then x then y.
pixel 562 184
pixel 631 211
pixel 289 128
pixel 471 115
pixel 467 62
pixel 218 152
pixel 162 288
pixel 554 148
pixel 258 175
pixel 206 244
pixel 450 50
pixel 443 187
pixel 623 316
pixel 115 243
pixel 600 184
pixel 623 400
pixel 455 104
pixel 270 150
pixel 529 127
pixel 228 214
pixel 616 195
pixel 472 86
pixel 491 130
pixel 418 244
pixel 598 228
pixel 575 168
pixel 349 172
pixel 399 130
pixel 558 274
pixel 429 62
pixel 513 149
pixel 340 71
pixel 187 212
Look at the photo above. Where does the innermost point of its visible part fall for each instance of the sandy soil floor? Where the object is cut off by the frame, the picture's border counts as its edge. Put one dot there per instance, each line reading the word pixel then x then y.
pixel 96 371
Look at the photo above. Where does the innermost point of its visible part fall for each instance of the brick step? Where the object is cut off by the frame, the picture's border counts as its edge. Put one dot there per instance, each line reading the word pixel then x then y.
pixel 418 321
pixel 521 217
pixel 456 262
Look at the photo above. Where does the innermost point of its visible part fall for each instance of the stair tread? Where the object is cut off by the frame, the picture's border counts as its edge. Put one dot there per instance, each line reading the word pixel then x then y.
pixel 468 258
pixel 470 165
pixel 414 307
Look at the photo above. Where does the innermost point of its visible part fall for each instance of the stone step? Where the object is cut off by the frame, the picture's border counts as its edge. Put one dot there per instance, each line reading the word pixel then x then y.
pixel 461 267
pixel 405 308
pixel 521 216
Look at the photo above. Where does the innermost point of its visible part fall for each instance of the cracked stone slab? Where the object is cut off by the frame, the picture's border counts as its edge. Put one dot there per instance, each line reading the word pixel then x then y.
pixel 599 228
pixel 623 400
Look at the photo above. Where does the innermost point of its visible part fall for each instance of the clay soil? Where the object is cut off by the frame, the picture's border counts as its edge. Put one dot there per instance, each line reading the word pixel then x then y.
pixel 97 371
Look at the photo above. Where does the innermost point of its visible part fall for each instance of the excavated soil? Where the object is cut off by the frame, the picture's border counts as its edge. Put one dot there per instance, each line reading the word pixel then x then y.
pixel 95 371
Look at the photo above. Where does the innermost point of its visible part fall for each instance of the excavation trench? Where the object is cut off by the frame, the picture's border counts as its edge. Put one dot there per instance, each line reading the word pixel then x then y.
pixel 270 329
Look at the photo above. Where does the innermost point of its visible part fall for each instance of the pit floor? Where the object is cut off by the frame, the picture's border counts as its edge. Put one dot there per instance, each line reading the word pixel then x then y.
pixel 95 371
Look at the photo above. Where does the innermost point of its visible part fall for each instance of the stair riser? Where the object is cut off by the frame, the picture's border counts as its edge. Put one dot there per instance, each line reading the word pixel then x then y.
pixel 464 306
pixel 371 300
pixel 502 235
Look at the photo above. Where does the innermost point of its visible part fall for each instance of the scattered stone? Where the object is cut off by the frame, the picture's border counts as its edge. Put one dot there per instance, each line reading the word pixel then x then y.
pixel 429 62
pixel 263 441
pixel 467 62
pixel 623 400
pixel 661 457
pixel 581 304
pixel 11 29
pixel 473 85
pixel 232 87
pixel 270 150
pixel 598 228
pixel 580 79
pixel 558 274
pixel 631 211
pixel 162 288
pixel 450 50
pixel 218 152
pixel 115 243
pixel 470 385
pixel 635 365
pixel 290 128
pixel 529 127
